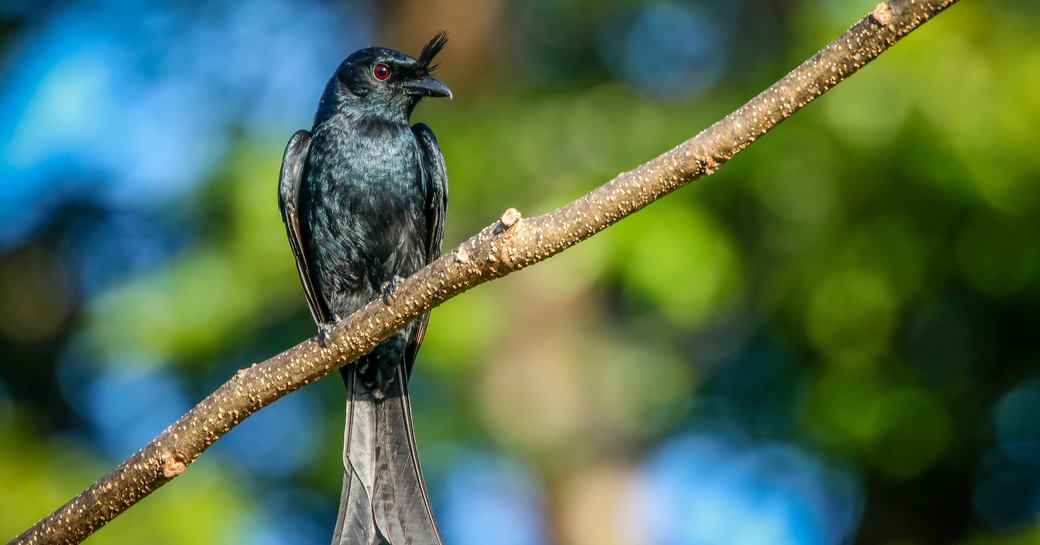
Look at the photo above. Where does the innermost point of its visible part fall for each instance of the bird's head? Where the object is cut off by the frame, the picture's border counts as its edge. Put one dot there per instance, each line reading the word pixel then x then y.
pixel 384 83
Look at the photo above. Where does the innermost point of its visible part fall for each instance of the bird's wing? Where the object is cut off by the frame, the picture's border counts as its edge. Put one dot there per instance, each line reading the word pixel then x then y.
pixel 436 177
pixel 289 181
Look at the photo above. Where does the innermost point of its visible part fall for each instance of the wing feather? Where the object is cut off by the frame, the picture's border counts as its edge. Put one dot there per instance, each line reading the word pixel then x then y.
pixel 436 177
pixel 289 181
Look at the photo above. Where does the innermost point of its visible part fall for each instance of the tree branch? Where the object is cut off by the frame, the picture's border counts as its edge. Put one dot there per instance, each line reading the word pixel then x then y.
pixel 506 246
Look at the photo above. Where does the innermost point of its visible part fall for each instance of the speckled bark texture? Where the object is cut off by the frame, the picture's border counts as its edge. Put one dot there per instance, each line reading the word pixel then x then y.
pixel 506 246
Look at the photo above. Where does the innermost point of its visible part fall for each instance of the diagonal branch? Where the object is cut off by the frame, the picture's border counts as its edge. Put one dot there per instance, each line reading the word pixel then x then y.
pixel 504 247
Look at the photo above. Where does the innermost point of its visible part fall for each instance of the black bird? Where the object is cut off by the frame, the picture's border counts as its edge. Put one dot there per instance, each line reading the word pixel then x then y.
pixel 363 197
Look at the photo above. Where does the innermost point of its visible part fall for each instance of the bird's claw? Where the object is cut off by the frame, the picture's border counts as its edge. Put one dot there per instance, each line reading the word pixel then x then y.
pixel 325 330
pixel 389 287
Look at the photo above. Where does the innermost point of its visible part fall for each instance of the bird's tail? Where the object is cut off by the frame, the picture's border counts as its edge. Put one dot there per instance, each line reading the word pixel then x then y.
pixel 383 496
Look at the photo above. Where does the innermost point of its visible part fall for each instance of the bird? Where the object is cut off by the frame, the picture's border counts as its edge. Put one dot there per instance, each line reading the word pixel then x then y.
pixel 363 196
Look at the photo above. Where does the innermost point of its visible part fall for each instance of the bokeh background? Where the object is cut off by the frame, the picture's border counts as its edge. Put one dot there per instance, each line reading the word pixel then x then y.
pixel 834 339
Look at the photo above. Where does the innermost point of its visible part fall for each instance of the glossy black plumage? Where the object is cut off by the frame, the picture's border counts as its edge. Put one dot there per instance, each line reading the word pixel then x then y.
pixel 363 196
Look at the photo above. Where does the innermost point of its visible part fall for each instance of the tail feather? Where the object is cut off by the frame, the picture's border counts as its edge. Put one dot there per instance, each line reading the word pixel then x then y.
pixel 354 525
pixel 402 506
pixel 383 493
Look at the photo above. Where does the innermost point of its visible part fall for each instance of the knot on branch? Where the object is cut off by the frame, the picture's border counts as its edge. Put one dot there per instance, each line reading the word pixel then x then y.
pixel 461 255
pixel 882 14
pixel 710 166
pixel 510 218
pixel 174 463
pixel 506 226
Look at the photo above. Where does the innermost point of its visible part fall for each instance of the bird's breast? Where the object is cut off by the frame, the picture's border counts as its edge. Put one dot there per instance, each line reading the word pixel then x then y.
pixel 365 202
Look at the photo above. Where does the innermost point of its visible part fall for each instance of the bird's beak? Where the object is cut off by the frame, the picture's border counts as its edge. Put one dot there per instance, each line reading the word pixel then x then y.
pixel 429 87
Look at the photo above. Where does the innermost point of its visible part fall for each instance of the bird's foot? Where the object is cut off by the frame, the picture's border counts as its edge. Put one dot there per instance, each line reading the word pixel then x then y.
pixel 389 287
pixel 324 330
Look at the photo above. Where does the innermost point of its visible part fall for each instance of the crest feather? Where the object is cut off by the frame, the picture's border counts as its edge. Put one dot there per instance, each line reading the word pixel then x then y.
pixel 430 50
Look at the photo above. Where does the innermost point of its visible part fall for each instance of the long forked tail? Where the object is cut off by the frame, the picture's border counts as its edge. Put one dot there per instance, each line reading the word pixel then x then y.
pixel 383 496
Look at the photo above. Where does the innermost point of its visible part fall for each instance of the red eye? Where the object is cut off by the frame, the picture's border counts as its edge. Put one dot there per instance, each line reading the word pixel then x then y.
pixel 381 72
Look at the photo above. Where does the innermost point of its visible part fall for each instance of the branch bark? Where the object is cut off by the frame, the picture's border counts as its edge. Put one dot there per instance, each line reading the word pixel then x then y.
pixel 506 246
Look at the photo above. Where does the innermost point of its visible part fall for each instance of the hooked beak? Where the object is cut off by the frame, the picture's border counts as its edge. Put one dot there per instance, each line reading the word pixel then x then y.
pixel 429 87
